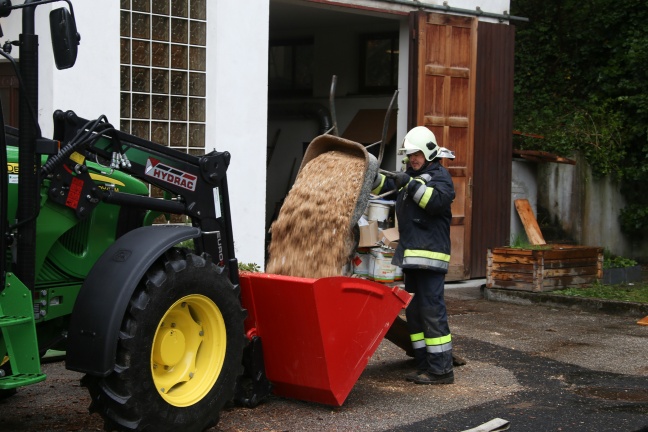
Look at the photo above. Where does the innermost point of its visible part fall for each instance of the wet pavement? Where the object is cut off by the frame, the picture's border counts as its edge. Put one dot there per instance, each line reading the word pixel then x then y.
pixel 540 368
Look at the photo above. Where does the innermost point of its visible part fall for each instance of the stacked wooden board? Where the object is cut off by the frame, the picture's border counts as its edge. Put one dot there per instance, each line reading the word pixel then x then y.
pixel 543 268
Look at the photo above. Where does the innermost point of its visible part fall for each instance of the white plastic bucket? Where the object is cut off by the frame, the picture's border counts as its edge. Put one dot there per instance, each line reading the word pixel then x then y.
pixel 378 212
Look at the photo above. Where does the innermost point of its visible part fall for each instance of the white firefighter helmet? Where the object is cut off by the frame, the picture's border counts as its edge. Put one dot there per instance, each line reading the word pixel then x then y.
pixel 421 139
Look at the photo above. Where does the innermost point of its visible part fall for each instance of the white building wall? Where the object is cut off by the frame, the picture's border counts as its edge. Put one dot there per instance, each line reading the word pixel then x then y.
pixel 403 100
pixel 237 105
pixel 91 87
pixel 236 93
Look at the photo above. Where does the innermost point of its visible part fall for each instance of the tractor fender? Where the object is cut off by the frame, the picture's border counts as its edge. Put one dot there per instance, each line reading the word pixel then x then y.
pixel 100 306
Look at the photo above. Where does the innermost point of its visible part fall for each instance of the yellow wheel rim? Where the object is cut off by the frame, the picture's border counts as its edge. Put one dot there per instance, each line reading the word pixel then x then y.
pixel 188 350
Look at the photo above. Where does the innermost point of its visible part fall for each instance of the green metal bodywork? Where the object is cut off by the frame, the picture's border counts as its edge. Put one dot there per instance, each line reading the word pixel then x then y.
pixel 18 335
pixel 67 248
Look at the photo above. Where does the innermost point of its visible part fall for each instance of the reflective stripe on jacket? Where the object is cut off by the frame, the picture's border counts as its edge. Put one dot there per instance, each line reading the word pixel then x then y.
pixel 424 216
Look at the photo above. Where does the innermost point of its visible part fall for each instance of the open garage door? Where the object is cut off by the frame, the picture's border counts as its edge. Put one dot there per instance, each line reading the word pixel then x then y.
pixel 442 89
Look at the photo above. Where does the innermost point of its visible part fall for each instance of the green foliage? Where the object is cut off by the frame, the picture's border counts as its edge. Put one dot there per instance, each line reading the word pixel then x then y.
pixel 634 219
pixel 581 82
pixel 189 244
pixel 631 293
pixel 521 242
pixel 249 267
pixel 613 261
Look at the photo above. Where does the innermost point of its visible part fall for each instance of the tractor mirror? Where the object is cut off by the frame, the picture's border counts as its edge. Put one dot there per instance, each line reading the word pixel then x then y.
pixel 65 38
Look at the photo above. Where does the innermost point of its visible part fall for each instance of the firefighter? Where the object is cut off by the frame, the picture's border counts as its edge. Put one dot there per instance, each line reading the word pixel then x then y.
pixel 425 193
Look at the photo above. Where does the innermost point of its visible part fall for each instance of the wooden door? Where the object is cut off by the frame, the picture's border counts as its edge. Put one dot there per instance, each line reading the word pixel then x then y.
pixel 9 94
pixel 442 93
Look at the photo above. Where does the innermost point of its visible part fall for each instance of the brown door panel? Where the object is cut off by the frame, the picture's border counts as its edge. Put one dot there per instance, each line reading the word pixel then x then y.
pixel 459 205
pixel 444 56
pixel 457 268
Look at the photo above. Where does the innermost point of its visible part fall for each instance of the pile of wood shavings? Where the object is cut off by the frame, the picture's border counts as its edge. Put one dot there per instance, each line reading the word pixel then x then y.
pixel 312 235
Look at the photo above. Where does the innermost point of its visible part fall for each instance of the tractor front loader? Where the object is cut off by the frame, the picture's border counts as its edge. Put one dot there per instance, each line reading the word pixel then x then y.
pixel 156 316
pixel 156 328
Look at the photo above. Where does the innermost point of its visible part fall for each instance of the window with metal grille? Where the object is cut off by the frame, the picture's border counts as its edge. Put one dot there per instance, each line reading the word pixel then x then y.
pixel 163 71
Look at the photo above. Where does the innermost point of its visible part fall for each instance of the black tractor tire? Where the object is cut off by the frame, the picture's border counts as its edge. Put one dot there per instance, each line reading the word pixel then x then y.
pixel 179 351
pixel 5 366
pixel 4 394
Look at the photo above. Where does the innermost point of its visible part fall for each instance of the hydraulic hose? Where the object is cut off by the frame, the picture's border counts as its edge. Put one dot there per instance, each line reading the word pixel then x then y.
pixel 85 136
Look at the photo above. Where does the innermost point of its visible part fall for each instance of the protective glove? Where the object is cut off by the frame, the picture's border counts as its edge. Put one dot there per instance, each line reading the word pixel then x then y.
pixel 401 179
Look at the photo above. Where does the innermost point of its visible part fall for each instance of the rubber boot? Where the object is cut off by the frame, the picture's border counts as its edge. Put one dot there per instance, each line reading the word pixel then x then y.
pixel 428 378
pixel 420 359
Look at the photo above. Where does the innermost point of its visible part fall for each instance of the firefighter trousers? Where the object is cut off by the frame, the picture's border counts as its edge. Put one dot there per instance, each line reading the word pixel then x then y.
pixel 427 321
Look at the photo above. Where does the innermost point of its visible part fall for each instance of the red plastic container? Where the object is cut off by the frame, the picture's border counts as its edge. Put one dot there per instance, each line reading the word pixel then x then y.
pixel 318 334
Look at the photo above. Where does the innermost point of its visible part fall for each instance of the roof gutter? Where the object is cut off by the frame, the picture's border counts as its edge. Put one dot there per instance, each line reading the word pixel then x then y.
pixel 416 4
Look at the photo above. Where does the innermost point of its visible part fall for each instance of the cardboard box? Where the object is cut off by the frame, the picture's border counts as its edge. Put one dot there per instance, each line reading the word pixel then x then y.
pixel 389 237
pixel 369 235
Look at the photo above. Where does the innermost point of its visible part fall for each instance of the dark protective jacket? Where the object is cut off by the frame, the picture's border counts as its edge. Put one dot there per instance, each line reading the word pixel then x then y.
pixel 424 216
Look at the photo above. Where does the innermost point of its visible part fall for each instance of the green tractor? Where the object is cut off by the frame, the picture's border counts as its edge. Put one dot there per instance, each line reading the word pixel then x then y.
pixel 164 334
pixel 157 329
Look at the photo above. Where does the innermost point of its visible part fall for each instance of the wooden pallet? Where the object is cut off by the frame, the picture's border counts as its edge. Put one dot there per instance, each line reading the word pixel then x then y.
pixel 543 268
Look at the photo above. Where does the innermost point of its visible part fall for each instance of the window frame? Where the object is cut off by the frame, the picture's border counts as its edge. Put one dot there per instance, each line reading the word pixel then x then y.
pixel 293 90
pixel 364 51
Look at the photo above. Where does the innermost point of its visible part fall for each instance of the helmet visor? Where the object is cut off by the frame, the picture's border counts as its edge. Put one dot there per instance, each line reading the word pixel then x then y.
pixel 409 148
